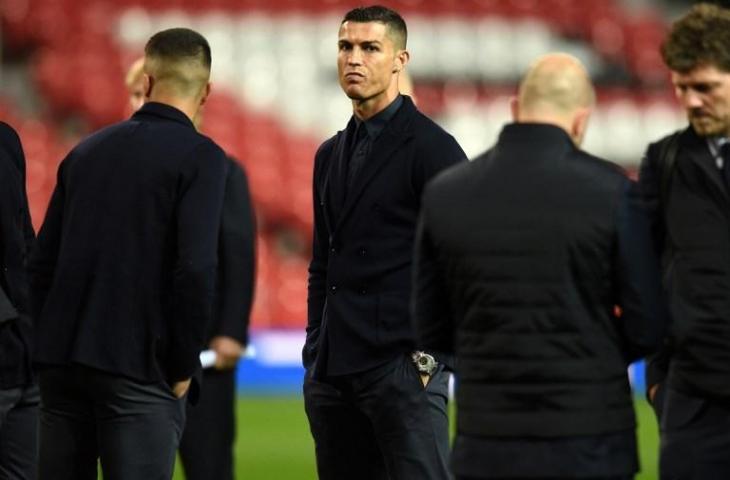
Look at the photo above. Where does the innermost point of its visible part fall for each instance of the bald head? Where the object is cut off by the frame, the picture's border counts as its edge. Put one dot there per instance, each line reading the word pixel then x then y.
pixel 555 84
pixel 556 90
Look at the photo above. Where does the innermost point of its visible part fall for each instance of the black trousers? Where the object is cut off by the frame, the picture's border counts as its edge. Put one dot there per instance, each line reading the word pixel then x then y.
pixel 695 438
pixel 206 448
pixel 19 432
pixel 133 428
pixel 380 424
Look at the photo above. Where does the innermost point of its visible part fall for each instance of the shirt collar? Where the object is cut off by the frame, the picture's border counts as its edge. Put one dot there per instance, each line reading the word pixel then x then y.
pixel 375 124
pixel 714 144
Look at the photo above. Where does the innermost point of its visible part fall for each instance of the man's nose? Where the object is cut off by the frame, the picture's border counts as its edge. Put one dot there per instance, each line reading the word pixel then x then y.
pixel 355 56
pixel 691 99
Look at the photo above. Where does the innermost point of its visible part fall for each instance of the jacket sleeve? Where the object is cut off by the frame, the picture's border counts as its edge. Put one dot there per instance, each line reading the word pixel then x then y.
pixel 316 285
pixel 16 229
pixel 649 187
pixel 430 309
pixel 657 364
pixel 638 284
pixel 42 264
pixel 237 259
pixel 198 223
pixel 438 153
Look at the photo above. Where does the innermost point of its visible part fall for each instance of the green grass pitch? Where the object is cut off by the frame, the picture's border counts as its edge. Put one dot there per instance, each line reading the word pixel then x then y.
pixel 273 440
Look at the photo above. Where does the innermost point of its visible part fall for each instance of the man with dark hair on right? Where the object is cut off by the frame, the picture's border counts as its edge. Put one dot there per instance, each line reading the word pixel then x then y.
pixel 123 276
pixel 685 178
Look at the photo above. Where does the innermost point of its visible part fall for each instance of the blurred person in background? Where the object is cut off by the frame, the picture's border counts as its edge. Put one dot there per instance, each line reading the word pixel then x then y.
pixel 685 178
pixel 123 277
pixel 521 257
pixel 19 395
pixel 376 405
pixel 206 447
pixel 134 81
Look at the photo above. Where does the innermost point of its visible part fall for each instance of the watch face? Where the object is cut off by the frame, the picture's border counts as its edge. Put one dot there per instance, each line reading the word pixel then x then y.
pixel 425 363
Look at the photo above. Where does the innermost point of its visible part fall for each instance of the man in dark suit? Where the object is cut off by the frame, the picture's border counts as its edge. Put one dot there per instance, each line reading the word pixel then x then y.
pixel 123 277
pixel 19 396
pixel 373 411
pixel 685 178
pixel 522 256
pixel 206 447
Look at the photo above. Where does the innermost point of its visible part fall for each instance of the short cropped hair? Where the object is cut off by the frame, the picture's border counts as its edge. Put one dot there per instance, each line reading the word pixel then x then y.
pixel 701 37
pixel 377 13
pixel 180 57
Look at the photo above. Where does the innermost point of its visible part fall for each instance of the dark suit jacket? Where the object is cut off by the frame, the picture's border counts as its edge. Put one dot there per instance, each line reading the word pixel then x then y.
pixel 692 232
pixel 16 239
pixel 360 273
pixel 236 259
pixel 521 257
pixel 123 274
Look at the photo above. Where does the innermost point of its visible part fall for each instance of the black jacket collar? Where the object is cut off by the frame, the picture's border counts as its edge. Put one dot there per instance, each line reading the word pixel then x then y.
pixel 379 121
pixel 162 110
pixel 531 134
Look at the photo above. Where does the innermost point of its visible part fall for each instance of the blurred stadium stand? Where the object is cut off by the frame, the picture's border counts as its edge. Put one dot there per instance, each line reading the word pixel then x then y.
pixel 276 95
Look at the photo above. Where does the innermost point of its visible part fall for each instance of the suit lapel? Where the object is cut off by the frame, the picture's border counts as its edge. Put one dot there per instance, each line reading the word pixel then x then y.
pixel 391 139
pixel 703 159
pixel 382 152
pixel 10 169
pixel 333 186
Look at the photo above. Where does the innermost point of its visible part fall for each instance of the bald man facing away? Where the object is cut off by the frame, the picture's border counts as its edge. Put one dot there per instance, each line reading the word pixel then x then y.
pixel 521 257
pixel 123 277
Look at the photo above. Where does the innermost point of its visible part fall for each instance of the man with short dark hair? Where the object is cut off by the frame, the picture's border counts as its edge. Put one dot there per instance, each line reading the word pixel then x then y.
pixel 521 258
pixel 206 447
pixel 19 396
pixel 123 277
pixel 376 404
pixel 685 178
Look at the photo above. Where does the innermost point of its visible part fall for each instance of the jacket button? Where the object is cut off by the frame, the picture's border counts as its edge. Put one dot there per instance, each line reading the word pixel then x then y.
pixel 363 291
pixel 333 288
pixel 333 250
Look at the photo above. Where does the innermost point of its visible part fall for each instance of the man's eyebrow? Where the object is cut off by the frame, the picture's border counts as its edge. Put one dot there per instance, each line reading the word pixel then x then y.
pixel 360 42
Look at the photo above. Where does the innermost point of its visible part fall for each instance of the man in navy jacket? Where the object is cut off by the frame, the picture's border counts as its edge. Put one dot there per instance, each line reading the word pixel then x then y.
pixel 685 179
pixel 123 277
pixel 206 447
pixel 375 411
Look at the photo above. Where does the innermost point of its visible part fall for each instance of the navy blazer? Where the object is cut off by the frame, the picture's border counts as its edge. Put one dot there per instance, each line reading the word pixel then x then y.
pixel 360 273
pixel 16 240
pixel 236 259
pixel 692 233
pixel 123 275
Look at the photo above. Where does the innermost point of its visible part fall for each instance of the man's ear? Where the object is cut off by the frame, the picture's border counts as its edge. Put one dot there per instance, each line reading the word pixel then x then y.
pixel 206 92
pixel 147 84
pixel 580 125
pixel 401 60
